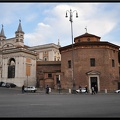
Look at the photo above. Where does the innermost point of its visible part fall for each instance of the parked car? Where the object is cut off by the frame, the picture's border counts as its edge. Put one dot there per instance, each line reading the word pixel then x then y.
pixel 117 91
pixel 30 89
pixel 12 85
pixel 8 85
pixel 1 84
pixel 83 90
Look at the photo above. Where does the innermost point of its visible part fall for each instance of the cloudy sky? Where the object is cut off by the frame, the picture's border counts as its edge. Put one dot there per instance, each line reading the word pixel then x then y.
pixel 45 23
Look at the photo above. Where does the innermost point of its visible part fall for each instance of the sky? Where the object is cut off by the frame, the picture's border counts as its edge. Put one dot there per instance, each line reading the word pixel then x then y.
pixel 45 22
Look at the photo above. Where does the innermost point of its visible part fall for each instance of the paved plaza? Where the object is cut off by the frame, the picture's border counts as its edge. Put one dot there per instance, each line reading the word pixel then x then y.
pixel 57 105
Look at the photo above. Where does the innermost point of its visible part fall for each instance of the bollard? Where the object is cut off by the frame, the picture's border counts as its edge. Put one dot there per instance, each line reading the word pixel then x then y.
pixel 69 90
pixel 105 90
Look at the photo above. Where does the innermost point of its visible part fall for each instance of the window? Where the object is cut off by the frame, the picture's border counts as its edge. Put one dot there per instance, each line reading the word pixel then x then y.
pixel 113 63
pixel 92 61
pixel 58 58
pixel 11 71
pixel 45 58
pixel 78 40
pixel 69 63
pixel 88 39
pixel 21 40
pixel 45 52
pixel 57 79
pixel 49 75
pixel 11 68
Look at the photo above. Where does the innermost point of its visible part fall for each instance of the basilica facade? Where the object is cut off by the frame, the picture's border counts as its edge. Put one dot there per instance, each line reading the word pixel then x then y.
pixel 18 61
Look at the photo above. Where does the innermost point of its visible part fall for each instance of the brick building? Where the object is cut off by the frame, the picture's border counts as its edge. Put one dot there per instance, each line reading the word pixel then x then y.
pixel 48 73
pixel 95 62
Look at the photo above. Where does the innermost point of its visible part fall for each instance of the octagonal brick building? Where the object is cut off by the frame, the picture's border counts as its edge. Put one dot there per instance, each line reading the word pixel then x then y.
pixel 94 62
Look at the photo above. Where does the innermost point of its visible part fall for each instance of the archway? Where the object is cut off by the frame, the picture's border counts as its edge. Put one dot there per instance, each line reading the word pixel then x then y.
pixel 11 68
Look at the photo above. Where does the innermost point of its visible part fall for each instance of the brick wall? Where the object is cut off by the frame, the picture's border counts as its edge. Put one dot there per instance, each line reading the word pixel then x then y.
pixel 103 57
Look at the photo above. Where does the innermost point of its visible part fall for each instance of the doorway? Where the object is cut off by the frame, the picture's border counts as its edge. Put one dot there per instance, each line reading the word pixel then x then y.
pixel 118 85
pixel 93 81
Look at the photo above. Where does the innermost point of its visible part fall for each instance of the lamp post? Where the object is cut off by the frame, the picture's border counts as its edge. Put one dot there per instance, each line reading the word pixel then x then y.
pixel 27 80
pixel 38 82
pixel 71 20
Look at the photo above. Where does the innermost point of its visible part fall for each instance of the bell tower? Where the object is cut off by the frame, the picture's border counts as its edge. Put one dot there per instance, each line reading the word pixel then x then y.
pixel 2 35
pixel 19 35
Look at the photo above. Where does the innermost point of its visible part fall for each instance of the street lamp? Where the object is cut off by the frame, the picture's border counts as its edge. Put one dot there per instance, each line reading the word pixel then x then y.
pixel 38 82
pixel 71 20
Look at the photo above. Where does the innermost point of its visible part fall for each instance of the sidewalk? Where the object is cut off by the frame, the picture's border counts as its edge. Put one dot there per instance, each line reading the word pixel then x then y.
pixel 54 91
pixel 68 92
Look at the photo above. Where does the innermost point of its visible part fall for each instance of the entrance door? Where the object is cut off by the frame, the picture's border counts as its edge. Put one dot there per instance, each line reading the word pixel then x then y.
pixel 93 81
pixel 118 85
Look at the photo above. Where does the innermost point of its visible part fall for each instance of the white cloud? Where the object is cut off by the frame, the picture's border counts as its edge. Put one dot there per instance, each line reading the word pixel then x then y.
pixel 56 26
pixel 39 36
pixel 43 25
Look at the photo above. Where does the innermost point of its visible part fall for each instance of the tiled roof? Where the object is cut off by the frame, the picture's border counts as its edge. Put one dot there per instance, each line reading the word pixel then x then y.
pixel 87 35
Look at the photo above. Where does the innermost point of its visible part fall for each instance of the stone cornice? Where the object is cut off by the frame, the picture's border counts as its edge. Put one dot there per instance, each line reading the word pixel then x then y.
pixel 92 45
pixel 16 50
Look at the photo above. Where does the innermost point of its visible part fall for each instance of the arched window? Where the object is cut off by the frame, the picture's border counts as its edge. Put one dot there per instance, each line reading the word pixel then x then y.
pixel 11 68
pixel 45 58
pixel 79 40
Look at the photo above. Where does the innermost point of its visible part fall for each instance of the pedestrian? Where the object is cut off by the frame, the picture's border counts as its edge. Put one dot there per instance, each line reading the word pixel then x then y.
pixel 59 87
pixel 23 89
pixel 47 89
pixel 86 89
pixel 80 88
pixel 93 90
pixel 96 89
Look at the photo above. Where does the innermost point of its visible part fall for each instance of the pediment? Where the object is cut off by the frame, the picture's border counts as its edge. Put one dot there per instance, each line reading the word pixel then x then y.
pixel 93 72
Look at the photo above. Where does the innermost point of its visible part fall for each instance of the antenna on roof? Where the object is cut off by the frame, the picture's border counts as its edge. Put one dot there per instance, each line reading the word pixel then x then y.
pixel 86 29
pixel 58 42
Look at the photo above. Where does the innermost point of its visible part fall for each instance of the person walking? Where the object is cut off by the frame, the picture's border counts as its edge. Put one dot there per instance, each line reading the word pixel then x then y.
pixel 47 89
pixel 59 87
pixel 93 90
pixel 80 88
pixel 96 89
pixel 23 88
